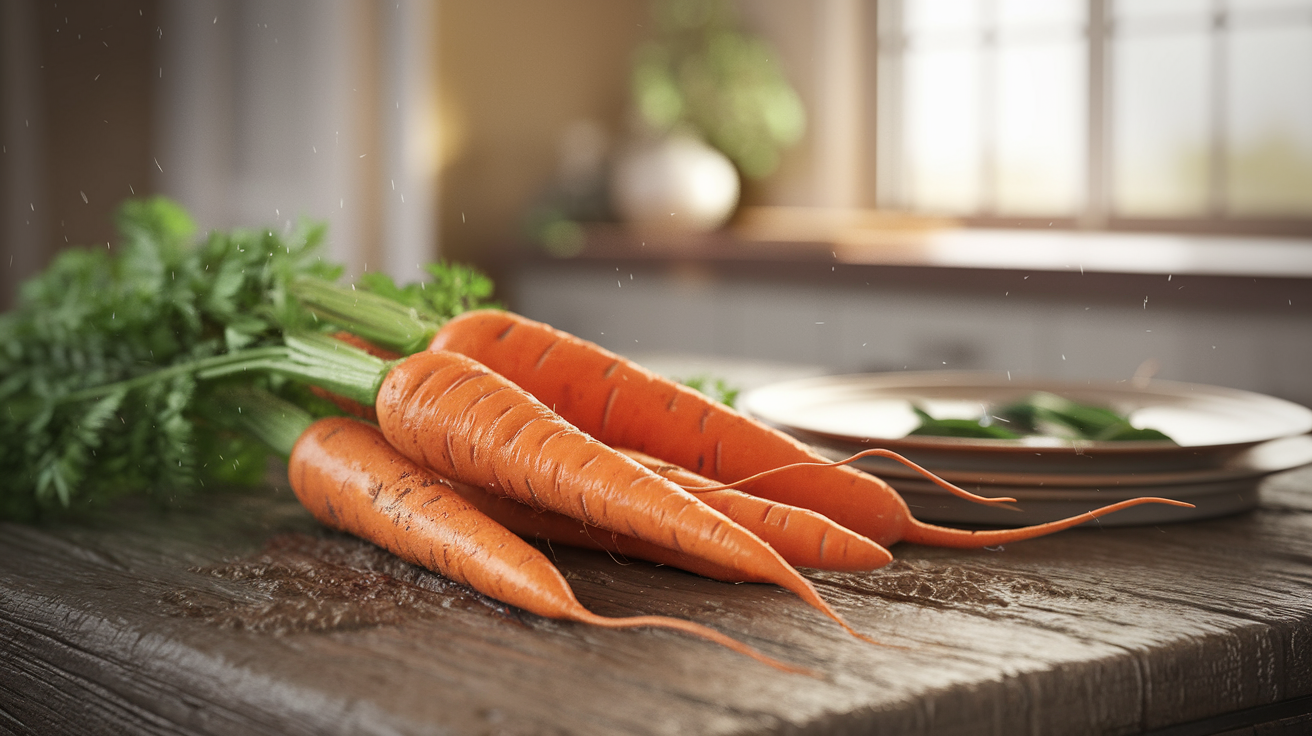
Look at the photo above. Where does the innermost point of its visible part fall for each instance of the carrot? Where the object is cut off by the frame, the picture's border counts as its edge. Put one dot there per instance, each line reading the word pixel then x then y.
pixel 352 480
pixel 560 529
pixel 625 405
pixel 801 536
pixel 449 413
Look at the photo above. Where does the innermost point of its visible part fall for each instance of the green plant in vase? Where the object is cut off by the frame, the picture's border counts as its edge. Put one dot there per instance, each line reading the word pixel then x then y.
pixel 713 104
pixel 701 72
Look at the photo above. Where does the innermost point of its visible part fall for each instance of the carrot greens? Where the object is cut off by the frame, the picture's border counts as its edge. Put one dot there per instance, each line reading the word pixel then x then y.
pixel 104 359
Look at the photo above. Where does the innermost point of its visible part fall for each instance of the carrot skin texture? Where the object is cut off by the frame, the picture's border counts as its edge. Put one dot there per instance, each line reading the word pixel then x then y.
pixel 350 479
pixel 626 405
pixel 453 415
pixel 347 475
pixel 801 536
pixel 561 529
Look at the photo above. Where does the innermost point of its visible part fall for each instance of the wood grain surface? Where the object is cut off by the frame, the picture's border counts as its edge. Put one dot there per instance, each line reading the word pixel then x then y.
pixel 238 614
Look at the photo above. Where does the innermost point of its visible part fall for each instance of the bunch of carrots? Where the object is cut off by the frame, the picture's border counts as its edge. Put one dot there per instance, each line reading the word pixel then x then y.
pixel 491 423
pixel 469 435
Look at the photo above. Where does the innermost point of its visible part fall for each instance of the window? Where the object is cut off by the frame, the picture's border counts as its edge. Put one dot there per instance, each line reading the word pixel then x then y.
pixel 1181 114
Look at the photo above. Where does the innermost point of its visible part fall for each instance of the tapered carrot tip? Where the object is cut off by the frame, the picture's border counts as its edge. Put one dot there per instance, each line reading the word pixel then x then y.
pixel 918 532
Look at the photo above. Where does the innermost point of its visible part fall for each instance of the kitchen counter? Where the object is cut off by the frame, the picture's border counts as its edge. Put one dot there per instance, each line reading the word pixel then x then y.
pixel 237 613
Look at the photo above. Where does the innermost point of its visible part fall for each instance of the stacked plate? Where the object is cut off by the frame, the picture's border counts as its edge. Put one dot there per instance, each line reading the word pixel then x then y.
pixel 1224 442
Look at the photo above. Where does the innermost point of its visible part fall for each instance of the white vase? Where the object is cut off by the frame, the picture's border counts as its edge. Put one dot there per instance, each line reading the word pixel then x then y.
pixel 676 183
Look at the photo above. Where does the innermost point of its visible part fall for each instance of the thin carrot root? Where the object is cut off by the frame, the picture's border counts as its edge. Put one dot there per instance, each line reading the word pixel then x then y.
pixel 921 533
pixel 874 452
pixel 693 629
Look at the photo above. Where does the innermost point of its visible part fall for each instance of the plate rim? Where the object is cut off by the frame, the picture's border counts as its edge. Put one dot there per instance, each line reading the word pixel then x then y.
pixel 1240 466
pixel 914 379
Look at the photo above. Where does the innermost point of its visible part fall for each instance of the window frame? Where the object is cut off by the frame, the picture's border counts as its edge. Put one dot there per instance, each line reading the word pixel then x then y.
pixel 1100 33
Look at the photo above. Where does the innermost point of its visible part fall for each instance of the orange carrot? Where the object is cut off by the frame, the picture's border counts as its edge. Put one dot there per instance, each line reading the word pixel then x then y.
pixel 449 413
pixel 801 536
pixel 560 529
pixel 625 405
pixel 351 479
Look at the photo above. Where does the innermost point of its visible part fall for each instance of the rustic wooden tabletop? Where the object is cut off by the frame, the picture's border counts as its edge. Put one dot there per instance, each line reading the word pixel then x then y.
pixel 238 614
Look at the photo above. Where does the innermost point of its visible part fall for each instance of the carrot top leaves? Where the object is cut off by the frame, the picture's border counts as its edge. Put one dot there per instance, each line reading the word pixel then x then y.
pixel 453 289
pixel 102 316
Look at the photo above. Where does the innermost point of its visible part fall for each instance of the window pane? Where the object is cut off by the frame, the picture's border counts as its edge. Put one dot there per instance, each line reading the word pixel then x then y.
pixel 1265 6
pixel 1051 13
pixel 942 15
pixel 1269 121
pixel 1132 15
pixel 942 129
pixel 1160 129
pixel 1041 126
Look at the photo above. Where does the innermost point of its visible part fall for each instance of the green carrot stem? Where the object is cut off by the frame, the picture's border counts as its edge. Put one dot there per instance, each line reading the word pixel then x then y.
pixel 270 419
pixel 378 319
pixel 195 367
pixel 314 358
pixel 319 360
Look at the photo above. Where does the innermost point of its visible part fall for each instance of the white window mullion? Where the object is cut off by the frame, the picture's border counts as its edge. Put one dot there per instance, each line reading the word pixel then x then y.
pixel 1217 168
pixel 1094 213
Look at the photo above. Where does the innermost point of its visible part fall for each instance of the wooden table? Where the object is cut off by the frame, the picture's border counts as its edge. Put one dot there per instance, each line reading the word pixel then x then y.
pixel 238 614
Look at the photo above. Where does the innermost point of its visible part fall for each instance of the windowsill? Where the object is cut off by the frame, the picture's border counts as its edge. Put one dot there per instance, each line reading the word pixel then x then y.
pixel 1252 274
pixel 766 238
pixel 1143 253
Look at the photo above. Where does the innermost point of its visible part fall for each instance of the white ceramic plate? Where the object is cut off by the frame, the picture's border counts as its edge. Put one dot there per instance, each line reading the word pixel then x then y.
pixel 1210 425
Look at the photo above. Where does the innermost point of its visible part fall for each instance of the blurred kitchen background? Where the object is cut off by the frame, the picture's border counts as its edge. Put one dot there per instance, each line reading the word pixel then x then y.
pixel 1078 189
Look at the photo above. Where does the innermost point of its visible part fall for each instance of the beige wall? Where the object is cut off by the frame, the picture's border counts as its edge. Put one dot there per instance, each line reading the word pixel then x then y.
pixel 512 75
pixel 76 83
